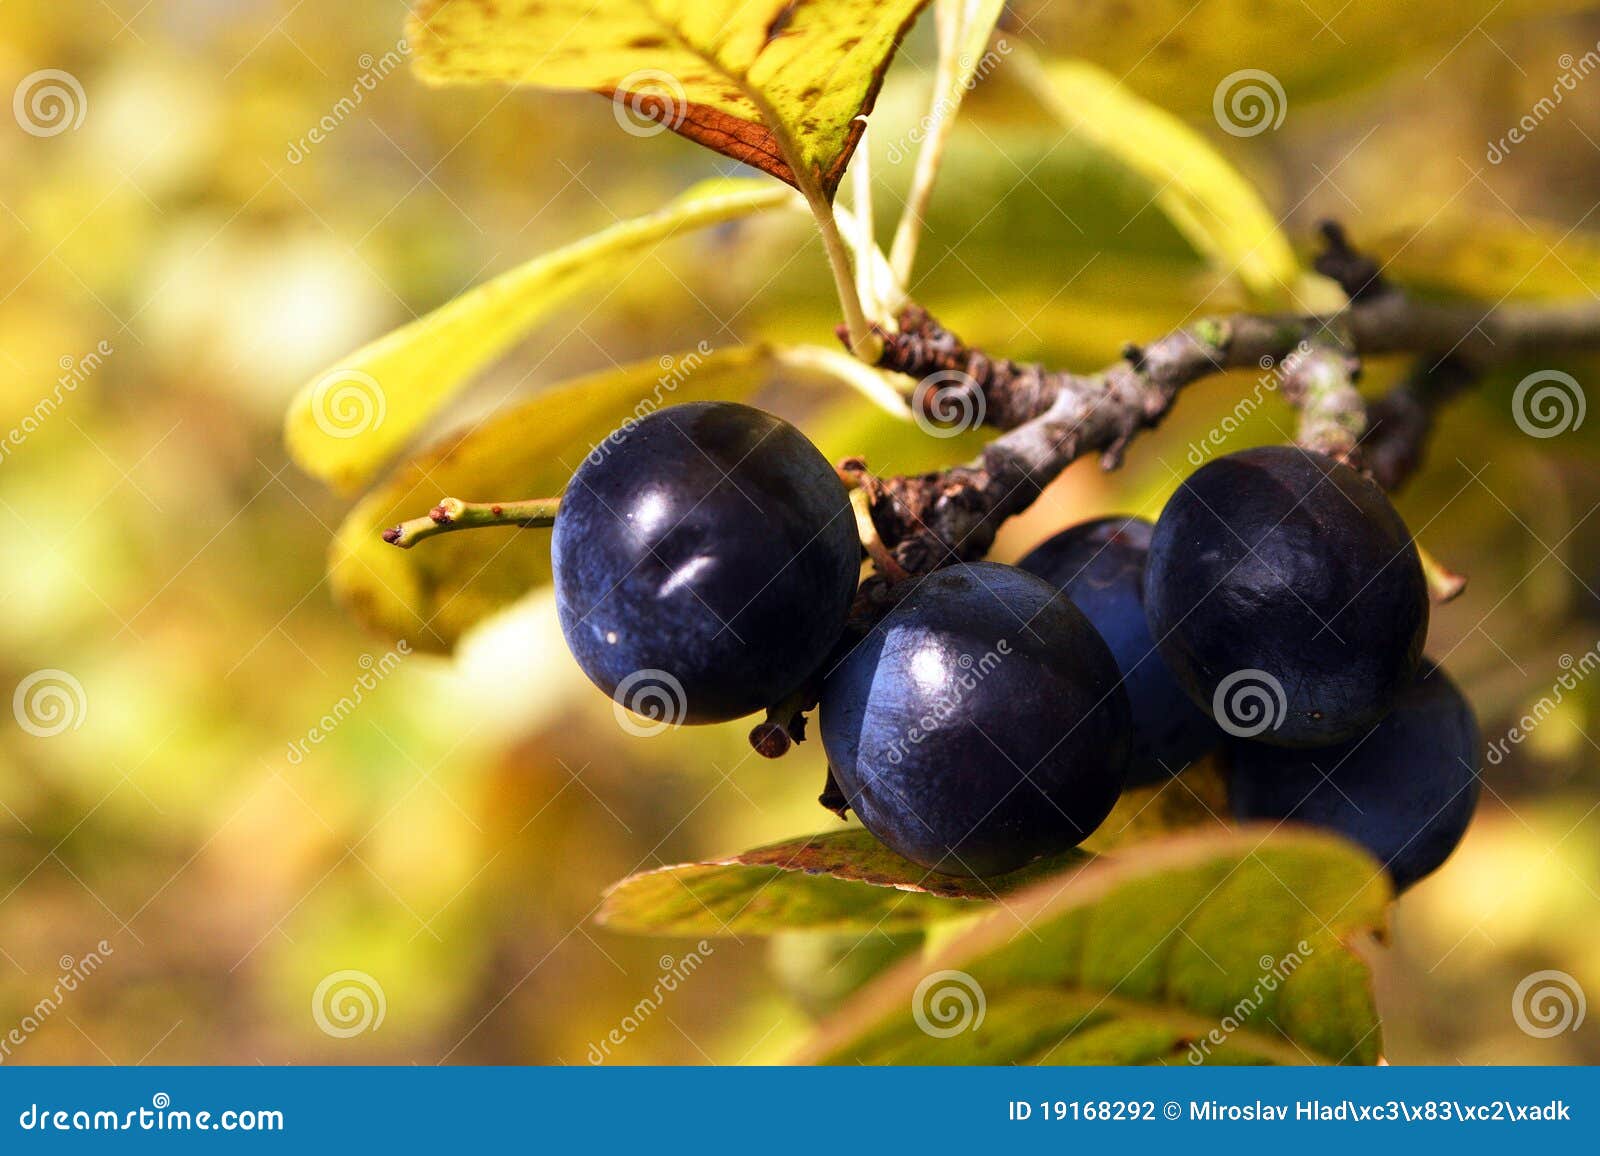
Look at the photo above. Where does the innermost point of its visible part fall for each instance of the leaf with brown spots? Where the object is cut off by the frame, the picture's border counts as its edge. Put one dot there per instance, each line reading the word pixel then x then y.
pixel 772 83
pixel 1239 948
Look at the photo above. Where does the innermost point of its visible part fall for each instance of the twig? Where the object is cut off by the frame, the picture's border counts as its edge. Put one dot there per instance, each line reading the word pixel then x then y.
pixel 1052 418
pixel 453 514
pixel 1400 421
pixel 1319 380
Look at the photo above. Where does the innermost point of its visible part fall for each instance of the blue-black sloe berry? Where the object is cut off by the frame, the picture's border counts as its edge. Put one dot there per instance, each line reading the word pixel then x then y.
pixel 980 725
pixel 1406 790
pixel 1286 568
pixel 1100 566
pixel 709 549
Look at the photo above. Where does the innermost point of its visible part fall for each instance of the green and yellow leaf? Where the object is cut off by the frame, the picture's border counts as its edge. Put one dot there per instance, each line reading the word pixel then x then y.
pixel 841 881
pixel 1239 948
pixel 345 424
pixel 771 83
pixel 1180 52
pixel 1490 258
pixel 434 593
pixel 1216 209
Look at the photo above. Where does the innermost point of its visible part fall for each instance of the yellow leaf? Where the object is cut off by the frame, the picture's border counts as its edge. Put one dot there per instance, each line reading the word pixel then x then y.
pixel 1188 53
pixel 433 593
pixel 1490 258
pixel 766 82
pixel 343 425
pixel 1215 208
pixel 978 18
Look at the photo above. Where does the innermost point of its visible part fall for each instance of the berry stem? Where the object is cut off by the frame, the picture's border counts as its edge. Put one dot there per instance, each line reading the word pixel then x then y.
pixel 453 514
pixel 1444 584
pixel 882 559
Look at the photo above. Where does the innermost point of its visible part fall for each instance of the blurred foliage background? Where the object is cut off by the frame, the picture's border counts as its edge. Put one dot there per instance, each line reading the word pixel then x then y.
pixel 452 837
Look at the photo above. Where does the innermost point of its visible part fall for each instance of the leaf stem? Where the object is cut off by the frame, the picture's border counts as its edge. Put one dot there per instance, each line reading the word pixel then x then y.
pixel 453 514
pixel 865 343
pixel 947 93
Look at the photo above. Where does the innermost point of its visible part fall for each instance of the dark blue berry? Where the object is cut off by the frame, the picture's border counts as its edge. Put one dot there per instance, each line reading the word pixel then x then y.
pixel 1287 569
pixel 705 561
pixel 1100 566
pixel 1405 790
pixel 980 725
